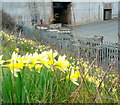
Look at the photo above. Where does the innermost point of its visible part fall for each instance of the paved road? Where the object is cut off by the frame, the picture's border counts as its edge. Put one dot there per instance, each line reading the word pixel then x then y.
pixel 108 29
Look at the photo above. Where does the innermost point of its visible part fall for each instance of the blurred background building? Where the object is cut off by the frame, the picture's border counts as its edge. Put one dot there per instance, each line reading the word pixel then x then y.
pixel 60 11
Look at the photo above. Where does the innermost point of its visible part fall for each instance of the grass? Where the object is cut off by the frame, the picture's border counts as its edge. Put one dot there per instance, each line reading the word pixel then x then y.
pixel 33 87
pixel 95 84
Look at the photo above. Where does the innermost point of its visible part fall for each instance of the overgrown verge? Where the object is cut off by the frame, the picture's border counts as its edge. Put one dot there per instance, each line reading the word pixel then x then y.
pixel 34 73
pixel 8 22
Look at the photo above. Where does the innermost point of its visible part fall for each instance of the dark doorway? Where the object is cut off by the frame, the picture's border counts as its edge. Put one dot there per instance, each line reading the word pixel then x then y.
pixel 62 12
pixel 107 14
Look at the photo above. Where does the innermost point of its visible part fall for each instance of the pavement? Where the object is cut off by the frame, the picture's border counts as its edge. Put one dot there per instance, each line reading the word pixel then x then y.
pixel 107 29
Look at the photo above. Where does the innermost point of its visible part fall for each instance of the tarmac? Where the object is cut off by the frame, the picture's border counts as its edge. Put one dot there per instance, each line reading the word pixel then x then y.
pixel 108 29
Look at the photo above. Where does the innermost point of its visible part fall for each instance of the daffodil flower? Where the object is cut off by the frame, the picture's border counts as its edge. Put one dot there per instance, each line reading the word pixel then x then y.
pixel 73 76
pixel 85 65
pixel 1 61
pixel 17 49
pixel 62 64
pixel 38 67
pixel 15 66
pixel 51 55
pixel 114 90
pixel 14 56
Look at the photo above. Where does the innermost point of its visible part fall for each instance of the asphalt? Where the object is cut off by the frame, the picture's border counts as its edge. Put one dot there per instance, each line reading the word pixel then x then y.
pixel 107 29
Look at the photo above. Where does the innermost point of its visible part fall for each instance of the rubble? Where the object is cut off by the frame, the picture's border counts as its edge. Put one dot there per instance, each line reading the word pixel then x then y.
pixel 54 28
pixel 96 38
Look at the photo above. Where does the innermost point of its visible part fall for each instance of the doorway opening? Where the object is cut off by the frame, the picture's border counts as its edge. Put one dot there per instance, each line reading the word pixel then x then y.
pixel 62 12
pixel 107 14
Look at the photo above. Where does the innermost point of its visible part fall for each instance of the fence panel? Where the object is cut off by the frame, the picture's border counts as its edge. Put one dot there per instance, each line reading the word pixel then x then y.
pixel 105 53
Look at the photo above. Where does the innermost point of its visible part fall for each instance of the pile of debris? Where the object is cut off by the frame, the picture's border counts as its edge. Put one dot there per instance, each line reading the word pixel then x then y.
pixel 96 38
pixel 54 28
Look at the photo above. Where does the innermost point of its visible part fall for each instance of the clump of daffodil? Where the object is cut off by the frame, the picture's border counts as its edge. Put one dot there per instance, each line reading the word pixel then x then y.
pixel 43 48
pixel 53 61
pixel 30 60
pixel 46 58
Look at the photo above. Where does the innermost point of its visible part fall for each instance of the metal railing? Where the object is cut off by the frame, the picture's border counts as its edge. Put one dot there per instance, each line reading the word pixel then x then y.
pixel 105 53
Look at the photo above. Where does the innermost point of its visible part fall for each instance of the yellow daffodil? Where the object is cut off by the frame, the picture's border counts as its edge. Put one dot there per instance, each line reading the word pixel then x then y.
pixel 51 55
pixel 97 82
pixel 102 85
pixel 36 50
pixel 91 79
pixel 85 65
pixel 30 66
pixel 15 65
pixel 73 76
pixel 30 60
pixel 98 69
pixel 114 90
pixel 38 67
pixel 62 63
pixel 17 49
pixel 41 50
pixel 14 57
pixel 43 59
pixel 77 67
pixel 25 41
pixel 87 76
pixel 1 61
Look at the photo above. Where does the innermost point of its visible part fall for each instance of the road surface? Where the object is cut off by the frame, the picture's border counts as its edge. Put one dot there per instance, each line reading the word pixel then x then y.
pixel 107 29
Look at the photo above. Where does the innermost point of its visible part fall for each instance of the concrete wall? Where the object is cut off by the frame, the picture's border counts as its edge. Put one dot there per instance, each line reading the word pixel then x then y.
pixel 115 10
pixel 24 12
pixel 85 12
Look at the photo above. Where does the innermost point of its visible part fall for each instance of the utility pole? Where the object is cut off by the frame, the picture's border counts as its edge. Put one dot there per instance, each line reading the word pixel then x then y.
pixel 44 10
pixel 75 32
pixel 89 10
pixel 118 36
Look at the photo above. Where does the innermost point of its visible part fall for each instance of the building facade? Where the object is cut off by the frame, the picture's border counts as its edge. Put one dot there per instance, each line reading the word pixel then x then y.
pixel 61 11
